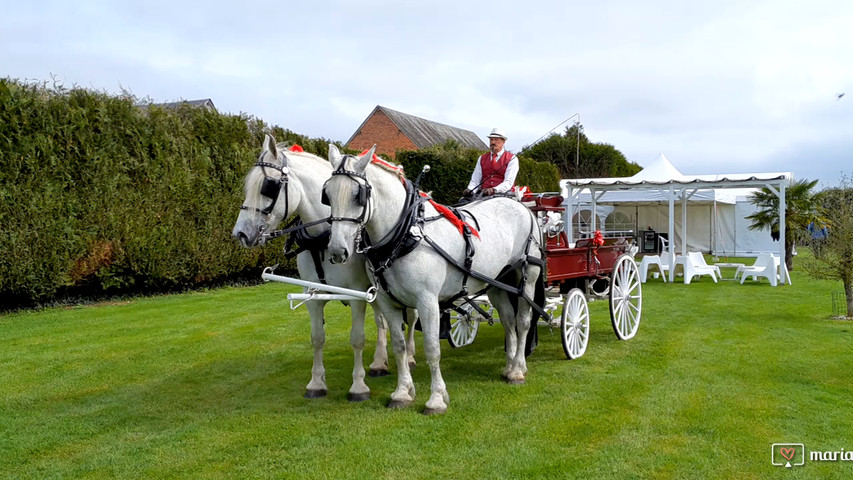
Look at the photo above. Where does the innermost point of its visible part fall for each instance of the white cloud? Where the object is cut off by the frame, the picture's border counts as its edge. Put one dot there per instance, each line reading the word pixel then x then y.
pixel 726 85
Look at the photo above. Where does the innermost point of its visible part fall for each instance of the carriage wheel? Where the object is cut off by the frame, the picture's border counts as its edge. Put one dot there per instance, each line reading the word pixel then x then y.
pixel 626 298
pixel 574 324
pixel 463 326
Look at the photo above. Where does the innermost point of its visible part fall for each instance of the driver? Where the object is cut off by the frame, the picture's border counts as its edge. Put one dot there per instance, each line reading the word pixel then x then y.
pixel 496 170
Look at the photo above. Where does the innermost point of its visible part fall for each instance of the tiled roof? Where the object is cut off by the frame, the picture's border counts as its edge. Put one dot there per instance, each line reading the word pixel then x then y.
pixel 204 102
pixel 425 133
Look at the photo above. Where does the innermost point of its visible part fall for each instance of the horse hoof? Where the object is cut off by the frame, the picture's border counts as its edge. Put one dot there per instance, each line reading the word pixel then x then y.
pixel 378 372
pixel 515 381
pixel 398 404
pixel 315 393
pixel 358 397
pixel 434 411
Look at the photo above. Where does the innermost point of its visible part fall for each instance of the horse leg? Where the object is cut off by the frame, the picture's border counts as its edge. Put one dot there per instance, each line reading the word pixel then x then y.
pixel 412 317
pixel 359 390
pixel 379 367
pixel 404 395
pixel 522 325
pixel 439 398
pixel 523 322
pixel 317 386
pixel 500 300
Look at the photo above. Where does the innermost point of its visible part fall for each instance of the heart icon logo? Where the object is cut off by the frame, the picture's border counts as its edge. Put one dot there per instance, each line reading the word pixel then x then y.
pixel 788 453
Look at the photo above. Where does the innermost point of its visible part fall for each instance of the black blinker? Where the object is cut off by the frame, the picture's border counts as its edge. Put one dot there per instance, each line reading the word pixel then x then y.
pixel 271 188
pixel 325 199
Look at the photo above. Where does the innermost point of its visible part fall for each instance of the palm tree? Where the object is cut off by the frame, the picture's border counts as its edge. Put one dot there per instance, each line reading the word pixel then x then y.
pixel 801 208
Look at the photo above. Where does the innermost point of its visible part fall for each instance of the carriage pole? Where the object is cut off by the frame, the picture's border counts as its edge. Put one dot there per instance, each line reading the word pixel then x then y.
pixel 367 296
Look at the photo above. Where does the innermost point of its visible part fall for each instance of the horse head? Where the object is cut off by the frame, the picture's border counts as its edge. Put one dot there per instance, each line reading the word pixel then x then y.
pixel 269 197
pixel 348 193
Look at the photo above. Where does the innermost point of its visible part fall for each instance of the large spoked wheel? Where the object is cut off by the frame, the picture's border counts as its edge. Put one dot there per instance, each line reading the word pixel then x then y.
pixel 574 324
pixel 463 326
pixel 626 298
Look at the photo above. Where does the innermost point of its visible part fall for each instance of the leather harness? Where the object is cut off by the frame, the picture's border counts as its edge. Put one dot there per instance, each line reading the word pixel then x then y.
pixel 407 234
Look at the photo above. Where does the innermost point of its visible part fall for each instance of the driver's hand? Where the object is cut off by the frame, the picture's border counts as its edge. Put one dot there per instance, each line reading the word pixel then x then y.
pixel 466 193
pixel 488 192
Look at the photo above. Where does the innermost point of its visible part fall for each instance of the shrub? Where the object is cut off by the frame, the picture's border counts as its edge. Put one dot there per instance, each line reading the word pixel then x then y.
pixel 103 195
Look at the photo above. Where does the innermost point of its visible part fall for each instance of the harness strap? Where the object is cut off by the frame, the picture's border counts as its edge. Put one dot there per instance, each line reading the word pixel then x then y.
pixel 471 272
pixel 303 241
pixel 299 226
pixel 470 215
pixel 398 242
pixel 317 256
pixel 519 291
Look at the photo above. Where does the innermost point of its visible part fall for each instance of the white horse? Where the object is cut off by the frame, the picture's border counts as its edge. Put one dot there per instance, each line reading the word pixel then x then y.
pixel 367 197
pixel 283 183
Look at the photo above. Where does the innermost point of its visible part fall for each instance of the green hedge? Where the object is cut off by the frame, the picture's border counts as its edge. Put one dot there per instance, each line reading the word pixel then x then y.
pixel 101 195
pixel 451 166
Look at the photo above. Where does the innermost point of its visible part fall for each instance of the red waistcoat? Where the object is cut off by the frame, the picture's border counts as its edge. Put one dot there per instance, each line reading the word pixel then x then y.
pixel 487 167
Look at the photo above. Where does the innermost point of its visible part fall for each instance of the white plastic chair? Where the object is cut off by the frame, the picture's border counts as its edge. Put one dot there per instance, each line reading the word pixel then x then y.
pixel 649 260
pixel 664 245
pixel 693 270
pixel 765 266
pixel 699 260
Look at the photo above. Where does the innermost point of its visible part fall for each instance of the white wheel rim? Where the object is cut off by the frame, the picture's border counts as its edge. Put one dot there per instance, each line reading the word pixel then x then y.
pixel 574 324
pixel 626 298
pixel 463 328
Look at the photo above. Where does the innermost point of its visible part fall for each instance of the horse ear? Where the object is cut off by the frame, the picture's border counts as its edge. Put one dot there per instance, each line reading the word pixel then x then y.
pixel 334 155
pixel 363 160
pixel 269 144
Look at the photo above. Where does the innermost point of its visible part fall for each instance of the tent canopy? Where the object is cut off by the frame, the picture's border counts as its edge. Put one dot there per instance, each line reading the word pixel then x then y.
pixel 662 182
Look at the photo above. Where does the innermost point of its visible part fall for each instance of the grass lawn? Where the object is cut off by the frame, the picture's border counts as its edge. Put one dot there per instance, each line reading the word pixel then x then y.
pixel 210 384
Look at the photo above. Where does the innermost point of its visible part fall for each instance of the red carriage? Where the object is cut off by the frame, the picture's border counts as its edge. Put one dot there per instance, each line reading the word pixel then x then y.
pixel 592 267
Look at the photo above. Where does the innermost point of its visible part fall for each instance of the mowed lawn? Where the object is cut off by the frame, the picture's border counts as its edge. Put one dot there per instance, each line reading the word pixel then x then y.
pixel 210 384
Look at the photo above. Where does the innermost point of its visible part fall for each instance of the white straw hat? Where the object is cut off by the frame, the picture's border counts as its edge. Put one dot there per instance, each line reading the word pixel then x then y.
pixel 498 133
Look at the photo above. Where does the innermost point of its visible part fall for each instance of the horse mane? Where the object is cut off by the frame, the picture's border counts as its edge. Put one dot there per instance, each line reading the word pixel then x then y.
pixel 387 166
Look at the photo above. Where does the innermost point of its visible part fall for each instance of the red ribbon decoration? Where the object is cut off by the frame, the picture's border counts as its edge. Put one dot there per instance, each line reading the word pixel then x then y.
pixel 446 212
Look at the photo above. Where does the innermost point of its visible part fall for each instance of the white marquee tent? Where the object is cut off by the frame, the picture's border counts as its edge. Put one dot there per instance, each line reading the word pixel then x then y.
pixel 713 207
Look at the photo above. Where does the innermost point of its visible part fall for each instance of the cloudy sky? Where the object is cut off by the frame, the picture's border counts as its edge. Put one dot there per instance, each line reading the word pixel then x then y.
pixel 719 87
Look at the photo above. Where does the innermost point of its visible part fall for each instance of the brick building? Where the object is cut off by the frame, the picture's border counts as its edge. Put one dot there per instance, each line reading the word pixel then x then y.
pixel 391 130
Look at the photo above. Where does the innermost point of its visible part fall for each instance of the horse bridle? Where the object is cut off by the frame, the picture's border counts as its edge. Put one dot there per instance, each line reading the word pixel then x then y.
pixel 271 187
pixel 362 198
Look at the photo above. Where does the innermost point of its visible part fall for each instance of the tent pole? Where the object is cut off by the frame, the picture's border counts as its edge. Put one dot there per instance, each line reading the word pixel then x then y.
pixel 684 199
pixel 783 268
pixel 671 229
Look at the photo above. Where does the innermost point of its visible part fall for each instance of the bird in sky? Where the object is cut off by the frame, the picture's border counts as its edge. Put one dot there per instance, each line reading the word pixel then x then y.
pixel 839 95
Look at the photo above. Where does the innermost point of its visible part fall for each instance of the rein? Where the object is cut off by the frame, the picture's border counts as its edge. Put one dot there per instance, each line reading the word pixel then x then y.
pixel 300 226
